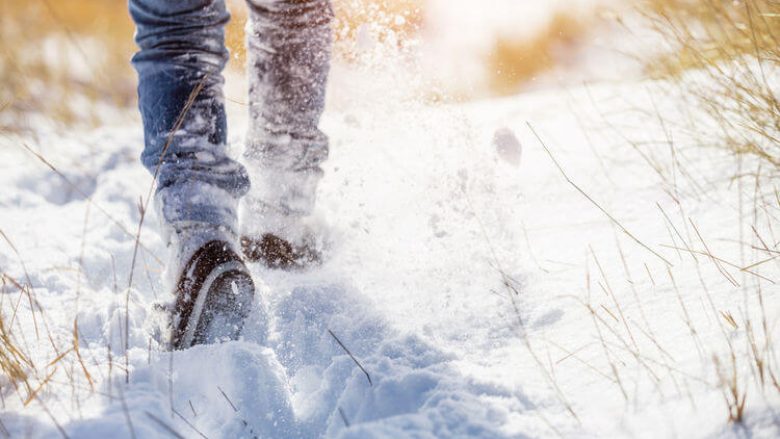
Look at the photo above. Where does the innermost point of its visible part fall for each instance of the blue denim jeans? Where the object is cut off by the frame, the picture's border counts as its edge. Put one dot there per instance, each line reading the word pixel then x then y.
pixel 179 64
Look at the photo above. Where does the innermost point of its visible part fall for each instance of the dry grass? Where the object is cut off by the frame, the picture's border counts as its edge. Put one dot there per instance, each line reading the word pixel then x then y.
pixel 59 60
pixel 725 56
pixel 720 318
pixel 13 362
pixel 713 30
pixel 54 55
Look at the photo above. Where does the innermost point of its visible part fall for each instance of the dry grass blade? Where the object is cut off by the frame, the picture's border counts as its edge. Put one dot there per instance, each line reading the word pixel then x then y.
pixel 80 268
pixel 734 396
pixel 721 260
pixel 235 409
pixel 611 294
pixel 78 355
pixel 59 357
pixel 189 424
pixel 233 406
pixel 688 321
pixel 607 355
pixel 13 362
pixel 729 319
pixel 343 417
pixel 31 299
pixel 761 262
pixel 143 207
pixel 598 206
pixel 34 393
pixel 758 359
pixel 676 231
pixel 368 376
pixel 573 354
pixel 22 290
pixel 170 430
pixel 714 260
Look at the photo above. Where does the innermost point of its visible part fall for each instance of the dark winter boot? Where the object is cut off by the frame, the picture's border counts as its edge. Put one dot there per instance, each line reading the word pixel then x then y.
pixel 214 295
pixel 277 253
pixel 285 241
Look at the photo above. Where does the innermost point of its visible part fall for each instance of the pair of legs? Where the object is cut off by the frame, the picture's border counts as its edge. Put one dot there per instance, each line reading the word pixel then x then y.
pixel 179 64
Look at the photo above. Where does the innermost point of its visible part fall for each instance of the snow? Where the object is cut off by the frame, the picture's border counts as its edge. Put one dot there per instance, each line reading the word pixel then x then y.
pixel 461 276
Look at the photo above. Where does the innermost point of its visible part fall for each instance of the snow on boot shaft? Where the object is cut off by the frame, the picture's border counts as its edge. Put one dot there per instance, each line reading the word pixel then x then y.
pixel 180 97
pixel 289 46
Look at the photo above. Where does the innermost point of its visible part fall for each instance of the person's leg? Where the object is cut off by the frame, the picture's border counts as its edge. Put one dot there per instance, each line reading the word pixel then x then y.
pixel 289 44
pixel 181 57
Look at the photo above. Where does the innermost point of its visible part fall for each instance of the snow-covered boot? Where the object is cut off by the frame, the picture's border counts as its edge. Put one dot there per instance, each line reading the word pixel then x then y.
pixel 288 58
pixel 214 294
pixel 278 240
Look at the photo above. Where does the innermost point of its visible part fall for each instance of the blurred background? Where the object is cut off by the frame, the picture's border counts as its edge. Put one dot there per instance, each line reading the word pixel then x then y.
pixel 66 63
pixel 57 56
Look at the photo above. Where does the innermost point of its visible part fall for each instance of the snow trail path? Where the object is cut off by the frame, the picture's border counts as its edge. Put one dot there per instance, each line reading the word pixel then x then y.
pixel 435 226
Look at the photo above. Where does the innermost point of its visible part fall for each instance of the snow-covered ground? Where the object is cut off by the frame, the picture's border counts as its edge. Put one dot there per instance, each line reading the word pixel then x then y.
pixel 462 270
pixel 481 293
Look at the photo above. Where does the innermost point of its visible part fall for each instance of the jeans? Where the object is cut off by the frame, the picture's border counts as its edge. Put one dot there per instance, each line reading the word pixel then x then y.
pixel 179 64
